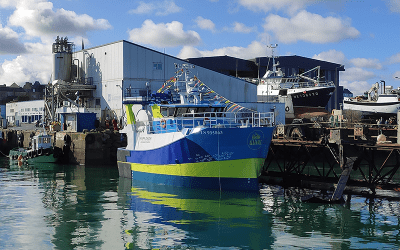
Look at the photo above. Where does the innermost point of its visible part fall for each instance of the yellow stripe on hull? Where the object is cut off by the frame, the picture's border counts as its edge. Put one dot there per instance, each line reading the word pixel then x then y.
pixel 242 168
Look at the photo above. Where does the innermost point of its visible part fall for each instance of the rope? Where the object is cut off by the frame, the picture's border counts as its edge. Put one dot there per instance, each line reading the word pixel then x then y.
pixel 4 154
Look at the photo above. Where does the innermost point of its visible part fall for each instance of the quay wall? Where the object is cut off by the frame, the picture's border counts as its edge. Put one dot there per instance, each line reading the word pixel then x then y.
pixel 85 148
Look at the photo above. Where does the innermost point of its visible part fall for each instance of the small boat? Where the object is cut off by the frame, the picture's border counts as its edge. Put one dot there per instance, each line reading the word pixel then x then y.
pixel 41 151
pixel 373 103
pixel 193 137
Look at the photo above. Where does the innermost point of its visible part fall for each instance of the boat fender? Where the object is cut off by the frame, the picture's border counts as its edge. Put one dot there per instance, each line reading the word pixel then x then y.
pixel 67 140
pixel 287 109
pixel 89 139
pixel 57 153
pixel 47 152
pixel 163 123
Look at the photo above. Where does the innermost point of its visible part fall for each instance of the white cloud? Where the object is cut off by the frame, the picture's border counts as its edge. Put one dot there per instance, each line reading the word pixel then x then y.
pixel 255 49
pixel 268 5
pixel 309 27
pixel 355 78
pixel 356 74
pixel 240 28
pixel 163 8
pixel 331 56
pixel 164 35
pixel 205 24
pixel 8 3
pixel 396 74
pixel 9 42
pixel 394 5
pixel 356 87
pixel 26 69
pixel 38 18
pixel 366 63
pixel 394 59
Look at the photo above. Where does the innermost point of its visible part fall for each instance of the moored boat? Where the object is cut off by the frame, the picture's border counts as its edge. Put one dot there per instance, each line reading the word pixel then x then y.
pixel 201 141
pixel 40 151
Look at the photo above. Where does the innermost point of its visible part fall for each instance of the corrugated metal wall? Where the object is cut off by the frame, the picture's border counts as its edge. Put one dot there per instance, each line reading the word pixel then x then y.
pixel 126 64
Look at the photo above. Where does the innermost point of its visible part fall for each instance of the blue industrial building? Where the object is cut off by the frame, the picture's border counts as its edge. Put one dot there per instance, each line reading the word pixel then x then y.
pixel 290 65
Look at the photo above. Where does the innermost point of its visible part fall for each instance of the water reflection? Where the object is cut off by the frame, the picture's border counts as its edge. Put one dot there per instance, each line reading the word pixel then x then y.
pixel 167 216
pixel 360 223
pixel 74 207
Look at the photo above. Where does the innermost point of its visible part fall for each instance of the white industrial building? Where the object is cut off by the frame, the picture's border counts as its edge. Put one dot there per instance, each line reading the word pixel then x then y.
pixel 117 68
pixel 24 112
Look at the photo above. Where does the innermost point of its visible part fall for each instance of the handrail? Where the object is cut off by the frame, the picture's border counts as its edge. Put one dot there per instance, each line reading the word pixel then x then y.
pixel 212 120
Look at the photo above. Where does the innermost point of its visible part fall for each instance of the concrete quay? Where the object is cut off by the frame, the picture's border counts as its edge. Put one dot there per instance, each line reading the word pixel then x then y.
pixel 92 148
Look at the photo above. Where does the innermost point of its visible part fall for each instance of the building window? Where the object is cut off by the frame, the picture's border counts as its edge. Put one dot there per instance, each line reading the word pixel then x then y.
pixel 157 66
pixel 27 109
pixel 11 110
pixel 97 101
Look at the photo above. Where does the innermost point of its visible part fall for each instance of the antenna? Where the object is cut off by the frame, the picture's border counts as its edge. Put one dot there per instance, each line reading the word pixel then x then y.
pixel 273 46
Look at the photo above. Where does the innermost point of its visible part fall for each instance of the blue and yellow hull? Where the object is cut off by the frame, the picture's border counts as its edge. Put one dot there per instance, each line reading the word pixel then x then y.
pixel 213 158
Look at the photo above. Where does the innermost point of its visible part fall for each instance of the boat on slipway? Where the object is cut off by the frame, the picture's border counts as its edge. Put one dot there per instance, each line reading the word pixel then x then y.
pixel 373 103
pixel 299 90
pixel 40 151
pixel 189 136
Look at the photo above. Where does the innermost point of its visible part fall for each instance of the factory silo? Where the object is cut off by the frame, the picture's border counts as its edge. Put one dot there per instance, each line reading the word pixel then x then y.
pixel 62 59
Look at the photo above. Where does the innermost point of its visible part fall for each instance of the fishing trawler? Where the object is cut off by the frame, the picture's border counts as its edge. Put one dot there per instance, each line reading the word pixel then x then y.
pixel 189 136
pixel 302 90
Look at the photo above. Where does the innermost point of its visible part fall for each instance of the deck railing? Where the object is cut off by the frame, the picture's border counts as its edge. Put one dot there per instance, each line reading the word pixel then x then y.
pixel 211 120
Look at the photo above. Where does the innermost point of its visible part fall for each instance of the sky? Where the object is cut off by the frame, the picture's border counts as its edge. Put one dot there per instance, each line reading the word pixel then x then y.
pixel 361 35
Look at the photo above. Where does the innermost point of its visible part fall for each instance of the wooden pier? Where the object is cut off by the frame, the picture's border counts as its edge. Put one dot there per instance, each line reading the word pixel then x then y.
pixel 319 164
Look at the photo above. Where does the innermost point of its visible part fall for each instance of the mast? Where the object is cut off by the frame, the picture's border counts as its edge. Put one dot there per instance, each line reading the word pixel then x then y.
pixel 272 46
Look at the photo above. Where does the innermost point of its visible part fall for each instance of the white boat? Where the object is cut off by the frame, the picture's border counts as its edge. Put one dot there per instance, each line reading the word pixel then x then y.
pixel 204 141
pixel 302 90
pixel 373 103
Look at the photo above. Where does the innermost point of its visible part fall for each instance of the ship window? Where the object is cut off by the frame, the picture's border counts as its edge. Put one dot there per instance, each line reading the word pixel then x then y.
pixel 192 110
pixel 180 111
pixel 202 110
pixel 171 111
pixel 164 111
pixel 283 92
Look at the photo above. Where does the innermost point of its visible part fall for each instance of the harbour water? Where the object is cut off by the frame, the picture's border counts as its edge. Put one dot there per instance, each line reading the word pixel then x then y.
pixel 77 207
